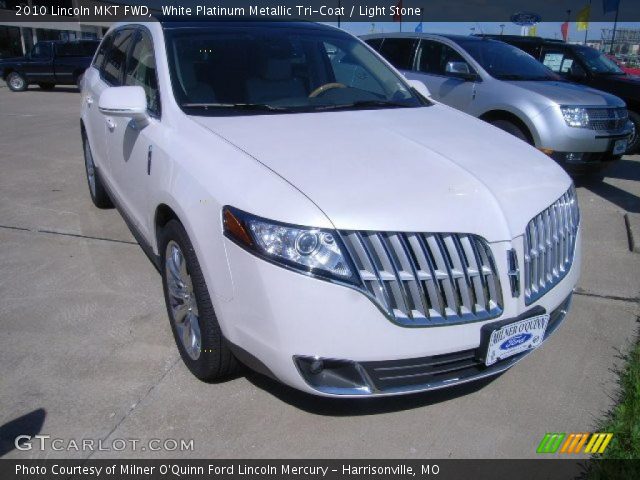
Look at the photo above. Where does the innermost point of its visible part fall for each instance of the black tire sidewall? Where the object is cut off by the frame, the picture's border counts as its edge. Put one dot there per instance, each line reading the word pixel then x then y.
pixel 635 147
pixel 215 360
pixel 101 197
pixel 511 128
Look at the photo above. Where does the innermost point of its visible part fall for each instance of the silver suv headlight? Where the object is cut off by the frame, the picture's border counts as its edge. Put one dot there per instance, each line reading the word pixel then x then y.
pixel 575 116
pixel 313 251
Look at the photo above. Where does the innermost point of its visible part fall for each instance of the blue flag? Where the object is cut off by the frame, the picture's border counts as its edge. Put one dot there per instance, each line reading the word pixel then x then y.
pixel 610 5
pixel 419 27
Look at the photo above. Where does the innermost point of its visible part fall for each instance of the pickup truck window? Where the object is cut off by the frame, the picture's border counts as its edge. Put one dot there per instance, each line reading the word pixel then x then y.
pixel 115 57
pixel 398 51
pixel 41 50
pixel 141 71
pixel 76 49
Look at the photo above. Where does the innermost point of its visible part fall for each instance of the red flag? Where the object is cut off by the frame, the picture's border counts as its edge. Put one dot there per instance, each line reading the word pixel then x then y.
pixel 397 17
pixel 564 28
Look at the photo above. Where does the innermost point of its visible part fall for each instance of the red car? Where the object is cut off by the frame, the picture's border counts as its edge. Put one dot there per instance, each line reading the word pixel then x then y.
pixel 629 70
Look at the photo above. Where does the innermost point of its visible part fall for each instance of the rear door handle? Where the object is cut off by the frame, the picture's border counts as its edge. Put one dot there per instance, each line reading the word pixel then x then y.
pixel 111 124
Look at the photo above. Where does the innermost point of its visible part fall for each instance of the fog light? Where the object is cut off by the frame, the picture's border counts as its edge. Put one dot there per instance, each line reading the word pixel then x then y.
pixel 337 377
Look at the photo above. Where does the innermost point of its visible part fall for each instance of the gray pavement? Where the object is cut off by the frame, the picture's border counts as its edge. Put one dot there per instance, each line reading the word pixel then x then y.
pixel 86 351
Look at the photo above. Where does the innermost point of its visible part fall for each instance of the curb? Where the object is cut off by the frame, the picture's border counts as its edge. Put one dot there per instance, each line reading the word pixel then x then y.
pixel 632 222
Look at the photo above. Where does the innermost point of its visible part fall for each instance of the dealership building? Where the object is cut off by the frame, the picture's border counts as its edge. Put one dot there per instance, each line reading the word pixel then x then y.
pixel 17 38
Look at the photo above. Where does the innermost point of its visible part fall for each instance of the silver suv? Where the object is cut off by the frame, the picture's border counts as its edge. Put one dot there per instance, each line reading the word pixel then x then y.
pixel 581 128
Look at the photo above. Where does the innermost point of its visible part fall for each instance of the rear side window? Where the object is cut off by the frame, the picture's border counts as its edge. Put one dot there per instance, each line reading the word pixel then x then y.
pixel 374 43
pixel 104 46
pixel 141 71
pixel 116 57
pixel 399 51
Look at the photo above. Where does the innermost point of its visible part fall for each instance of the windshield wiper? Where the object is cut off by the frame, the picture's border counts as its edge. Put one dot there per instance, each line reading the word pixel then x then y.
pixel 362 103
pixel 238 106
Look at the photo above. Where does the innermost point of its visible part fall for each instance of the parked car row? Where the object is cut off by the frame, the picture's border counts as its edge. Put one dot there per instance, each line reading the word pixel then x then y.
pixel 49 63
pixel 582 128
pixel 317 217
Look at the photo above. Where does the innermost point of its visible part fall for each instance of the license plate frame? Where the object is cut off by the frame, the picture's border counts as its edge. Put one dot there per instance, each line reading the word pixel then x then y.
pixel 620 146
pixel 507 338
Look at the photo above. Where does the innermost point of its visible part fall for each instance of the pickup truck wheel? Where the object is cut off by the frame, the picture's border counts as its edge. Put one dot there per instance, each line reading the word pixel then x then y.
pixel 16 82
pixel 47 86
pixel 511 128
pixel 634 140
pixel 195 327
pixel 99 195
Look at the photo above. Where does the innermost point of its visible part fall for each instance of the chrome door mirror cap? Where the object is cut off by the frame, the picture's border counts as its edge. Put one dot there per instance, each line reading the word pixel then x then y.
pixel 420 87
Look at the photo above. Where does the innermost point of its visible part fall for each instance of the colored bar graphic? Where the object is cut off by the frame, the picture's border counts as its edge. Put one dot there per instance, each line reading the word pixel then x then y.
pixel 574 442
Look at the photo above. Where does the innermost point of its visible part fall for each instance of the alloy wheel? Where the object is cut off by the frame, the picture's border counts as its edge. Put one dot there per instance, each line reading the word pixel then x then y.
pixel 182 301
pixel 16 82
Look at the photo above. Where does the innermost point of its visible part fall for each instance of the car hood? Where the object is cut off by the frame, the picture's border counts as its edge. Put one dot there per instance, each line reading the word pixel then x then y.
pixel 565 93
pixel 406 169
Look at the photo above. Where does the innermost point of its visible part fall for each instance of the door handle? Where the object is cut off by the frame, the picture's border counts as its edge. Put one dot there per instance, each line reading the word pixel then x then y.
pixel 89 100
pixel 111 124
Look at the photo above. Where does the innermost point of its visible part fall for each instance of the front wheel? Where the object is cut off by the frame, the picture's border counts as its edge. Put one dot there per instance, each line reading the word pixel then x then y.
pixel 99 195
pixel 195 327
pixel 511 128
pixel 634 140
pixel 16 82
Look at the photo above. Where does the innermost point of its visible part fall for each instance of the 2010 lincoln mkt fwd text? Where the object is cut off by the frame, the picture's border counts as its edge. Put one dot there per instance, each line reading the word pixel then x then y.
pixel 317 218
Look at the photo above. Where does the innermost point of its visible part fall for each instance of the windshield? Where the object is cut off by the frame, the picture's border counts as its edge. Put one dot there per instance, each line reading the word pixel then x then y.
pixel 506 62
pixel 598 62
pixel 242 69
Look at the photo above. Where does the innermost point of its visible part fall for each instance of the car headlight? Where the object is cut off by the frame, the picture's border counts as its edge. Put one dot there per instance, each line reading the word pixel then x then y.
pixel 314 251
pixel 575 116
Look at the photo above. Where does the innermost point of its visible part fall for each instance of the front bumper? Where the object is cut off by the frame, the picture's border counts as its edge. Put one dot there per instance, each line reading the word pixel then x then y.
pixel 277 315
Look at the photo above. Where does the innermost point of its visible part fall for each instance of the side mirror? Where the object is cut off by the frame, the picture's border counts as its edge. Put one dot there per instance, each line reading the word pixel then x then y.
pixel 128 102
pixel 420 87
pixel 460 70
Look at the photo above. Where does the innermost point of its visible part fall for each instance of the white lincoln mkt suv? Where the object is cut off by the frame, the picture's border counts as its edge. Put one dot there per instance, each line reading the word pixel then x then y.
pixel 316 217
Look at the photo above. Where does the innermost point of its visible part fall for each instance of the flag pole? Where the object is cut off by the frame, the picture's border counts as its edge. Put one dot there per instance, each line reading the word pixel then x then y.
pixel 615 24
pixel 586 30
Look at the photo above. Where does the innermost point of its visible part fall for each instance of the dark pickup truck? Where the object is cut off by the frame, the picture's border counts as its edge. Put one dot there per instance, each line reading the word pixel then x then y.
pixel 49 63
pixel 588 66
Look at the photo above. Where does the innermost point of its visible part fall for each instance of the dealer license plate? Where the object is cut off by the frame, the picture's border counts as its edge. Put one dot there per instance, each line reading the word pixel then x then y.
pixel 619 147
pixel 516 338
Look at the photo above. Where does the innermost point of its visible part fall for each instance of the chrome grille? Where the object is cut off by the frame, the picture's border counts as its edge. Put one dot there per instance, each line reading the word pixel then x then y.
pixel 607 118
pixel 549 244
pixel 426 279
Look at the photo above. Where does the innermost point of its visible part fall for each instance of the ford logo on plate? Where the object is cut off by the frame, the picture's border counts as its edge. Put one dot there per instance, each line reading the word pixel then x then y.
pixel 515 341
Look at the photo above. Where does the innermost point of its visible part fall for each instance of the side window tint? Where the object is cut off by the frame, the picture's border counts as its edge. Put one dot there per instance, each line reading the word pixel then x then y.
pixel 374 43
pixel 104 46
pixel 116 56
pixel 141 71
pixel 398 51
pixel 41 50
pixel 440 59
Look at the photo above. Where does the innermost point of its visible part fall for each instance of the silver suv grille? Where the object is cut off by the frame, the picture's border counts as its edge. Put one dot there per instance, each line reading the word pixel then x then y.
pixel 549 244
pixel 426 279
pixel 607 118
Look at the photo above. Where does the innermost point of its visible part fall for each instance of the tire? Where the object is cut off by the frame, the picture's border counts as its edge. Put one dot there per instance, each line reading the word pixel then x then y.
pixel 16 82
pixel 634 141
pixel 47 86
pixel 99 195
pixel 511 128
pixel 186 296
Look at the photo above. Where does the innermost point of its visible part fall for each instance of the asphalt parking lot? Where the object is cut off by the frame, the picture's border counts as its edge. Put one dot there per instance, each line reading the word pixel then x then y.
pixel 87 352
